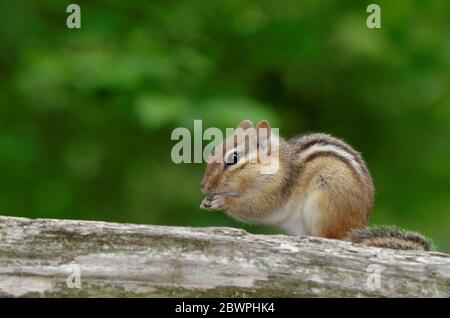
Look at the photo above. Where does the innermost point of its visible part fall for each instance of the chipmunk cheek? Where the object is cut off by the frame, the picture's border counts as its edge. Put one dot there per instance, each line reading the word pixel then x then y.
pixel 231 185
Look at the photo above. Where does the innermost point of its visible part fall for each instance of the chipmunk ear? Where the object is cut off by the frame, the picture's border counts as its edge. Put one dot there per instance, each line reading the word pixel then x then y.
pixel 245 124
pixel 263 131
pixel 263 124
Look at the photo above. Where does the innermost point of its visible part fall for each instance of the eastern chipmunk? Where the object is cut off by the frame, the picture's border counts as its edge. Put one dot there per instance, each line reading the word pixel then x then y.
pixel 321 187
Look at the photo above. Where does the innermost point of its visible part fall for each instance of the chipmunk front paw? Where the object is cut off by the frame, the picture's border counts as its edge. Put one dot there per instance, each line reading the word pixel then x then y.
pixel 213 203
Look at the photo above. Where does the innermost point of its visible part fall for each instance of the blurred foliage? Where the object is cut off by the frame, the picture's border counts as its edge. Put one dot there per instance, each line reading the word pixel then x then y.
pixel 86 115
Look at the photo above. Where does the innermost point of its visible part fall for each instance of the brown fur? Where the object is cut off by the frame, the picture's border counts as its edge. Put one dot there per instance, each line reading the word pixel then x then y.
pixel 343 202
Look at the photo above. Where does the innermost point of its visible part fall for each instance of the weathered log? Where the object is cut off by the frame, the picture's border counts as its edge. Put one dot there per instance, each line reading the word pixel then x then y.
pixel 43 258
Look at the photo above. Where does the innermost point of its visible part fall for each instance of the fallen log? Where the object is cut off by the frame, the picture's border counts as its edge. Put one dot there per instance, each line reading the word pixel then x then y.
pixel 64 258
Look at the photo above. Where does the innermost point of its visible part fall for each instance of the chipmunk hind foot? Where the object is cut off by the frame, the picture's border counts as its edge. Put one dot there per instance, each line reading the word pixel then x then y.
pixel 391 237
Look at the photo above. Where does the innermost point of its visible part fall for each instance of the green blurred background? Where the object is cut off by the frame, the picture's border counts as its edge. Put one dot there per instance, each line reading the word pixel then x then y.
pixel 86 115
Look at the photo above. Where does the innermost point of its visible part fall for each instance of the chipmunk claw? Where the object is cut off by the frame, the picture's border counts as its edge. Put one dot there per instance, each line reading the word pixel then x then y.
pixel 212 203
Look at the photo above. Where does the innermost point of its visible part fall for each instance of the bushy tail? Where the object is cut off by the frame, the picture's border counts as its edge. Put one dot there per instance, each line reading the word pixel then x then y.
pixel 390 237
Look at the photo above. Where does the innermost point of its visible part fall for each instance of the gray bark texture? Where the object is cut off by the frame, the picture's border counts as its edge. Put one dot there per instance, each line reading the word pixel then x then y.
pixel 62 258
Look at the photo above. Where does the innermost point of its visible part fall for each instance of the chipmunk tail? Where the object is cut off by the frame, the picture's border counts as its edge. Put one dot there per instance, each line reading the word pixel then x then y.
pixel 393 237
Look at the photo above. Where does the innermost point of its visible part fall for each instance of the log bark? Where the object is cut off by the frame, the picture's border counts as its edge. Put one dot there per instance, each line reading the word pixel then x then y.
pixel 63 258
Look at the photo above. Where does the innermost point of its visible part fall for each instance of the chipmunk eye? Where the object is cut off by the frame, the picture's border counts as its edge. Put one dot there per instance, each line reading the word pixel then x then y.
pixel 232 159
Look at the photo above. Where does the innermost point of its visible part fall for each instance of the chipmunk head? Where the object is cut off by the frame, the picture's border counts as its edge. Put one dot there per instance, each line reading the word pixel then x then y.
pixel 242 162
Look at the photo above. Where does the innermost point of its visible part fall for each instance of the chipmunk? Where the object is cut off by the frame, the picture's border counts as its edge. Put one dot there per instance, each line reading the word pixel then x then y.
pixel 321 187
